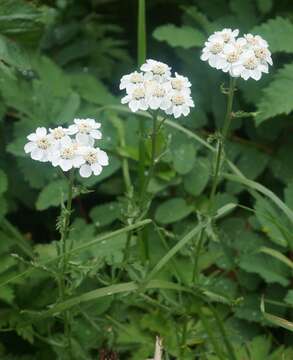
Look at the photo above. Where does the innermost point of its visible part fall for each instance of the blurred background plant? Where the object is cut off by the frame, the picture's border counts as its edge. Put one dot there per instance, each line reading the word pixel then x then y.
pixel 64 59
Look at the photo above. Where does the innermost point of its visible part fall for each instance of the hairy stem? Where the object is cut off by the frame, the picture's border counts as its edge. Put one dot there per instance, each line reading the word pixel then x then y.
pixel 64 249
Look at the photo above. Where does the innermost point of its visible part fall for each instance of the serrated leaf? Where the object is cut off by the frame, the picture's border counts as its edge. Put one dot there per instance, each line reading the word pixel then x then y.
pixel 271 270
pixel 184 36
pixel 277 99
pixel 278 33
pixel 197 179
pixel 52 194
pixel 172 210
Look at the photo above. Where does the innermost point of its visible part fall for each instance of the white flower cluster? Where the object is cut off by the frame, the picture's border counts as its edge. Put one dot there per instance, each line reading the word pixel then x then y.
pixel 154 88
pixel 71 147
pixel 247 57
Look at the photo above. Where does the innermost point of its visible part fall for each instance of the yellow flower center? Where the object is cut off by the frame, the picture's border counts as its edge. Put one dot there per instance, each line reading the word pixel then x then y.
pixel 159 92
pixel 136 78
pixel 216 48
pixel 58 134
pixel 177 84
pixel 233 56
pixel 250 63
pixel 138 93
pixel 83 128
pixel 178 99
pixel 91 157
pixel 260 53
pixel 43 143
pixel 68 152
pixel 158 69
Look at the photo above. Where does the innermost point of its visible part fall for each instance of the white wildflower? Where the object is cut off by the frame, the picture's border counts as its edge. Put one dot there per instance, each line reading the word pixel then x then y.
pixel 156 70
pixel 40 145
pixel 181 102
pixel 180 83
pixel 157 95
pixel 136 98
pixel 57 134
pixel 94 160
pixel 246 57
pixel 68 155
pixel 130 81
pixel 86 130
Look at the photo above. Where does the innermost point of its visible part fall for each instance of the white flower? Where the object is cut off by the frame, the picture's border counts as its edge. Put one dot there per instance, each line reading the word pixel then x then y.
pixel 225 35
pixel 247 57
pixel 157 95
pixel 136 98
pixel 212 52
pixel 94 160
pixel 68 156
pixel 181 102
pixel 40 145
pixel 129 81
pixel 85 130
pixel 249 66
pixel 57 134
pixel 156 70
pixel 180 83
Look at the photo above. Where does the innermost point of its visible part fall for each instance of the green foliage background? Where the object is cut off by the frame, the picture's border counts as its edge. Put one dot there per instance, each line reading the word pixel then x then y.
pixel 63 59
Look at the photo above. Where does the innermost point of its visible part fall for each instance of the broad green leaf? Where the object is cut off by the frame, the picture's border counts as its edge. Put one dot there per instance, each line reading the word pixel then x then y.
pixel 52 195
pixel 184 36
pixel 184 158
pixel 196 181
pixel 270 269
pixel 172 210
pixel 278 33
pixel 3 182
pixel 105 214
pixel 92 89
pixel 276 99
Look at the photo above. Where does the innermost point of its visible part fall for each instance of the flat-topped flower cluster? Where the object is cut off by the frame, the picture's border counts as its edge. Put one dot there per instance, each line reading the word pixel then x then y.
pixel 153 88
pixel 72 147
pixel 245 57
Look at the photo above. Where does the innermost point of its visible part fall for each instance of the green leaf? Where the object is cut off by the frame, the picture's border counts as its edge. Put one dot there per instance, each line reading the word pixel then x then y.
pixel 183 158
pixel 3 182
pixel 276 99
pixel 278 33
pixel 276 320
pixel 197 179
pixel 289 195
pixel 289 297
pixel 172 211
pixel 184 36
pixel 105 214
pixel 270 269
pixel 52 194
pixel 272 223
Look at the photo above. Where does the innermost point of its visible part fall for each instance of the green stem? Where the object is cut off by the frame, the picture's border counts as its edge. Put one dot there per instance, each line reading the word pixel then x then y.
pixel 64 248
pixel 141 57
pixel 221 142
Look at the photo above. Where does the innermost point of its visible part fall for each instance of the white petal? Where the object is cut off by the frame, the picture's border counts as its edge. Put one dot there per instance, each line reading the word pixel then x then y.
pixel 30 146
pixel 103 158
pixel 85 171
pixel 97 168
pixel 41 131
pixel 32 137
pixel 65 164
pixel 125 99
pixel 37 154
pixel 177 111
pixel 78 161
pixel 185 110
pixel 134 105
pixel 96 134
pixel 82 139
pixel 256 74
